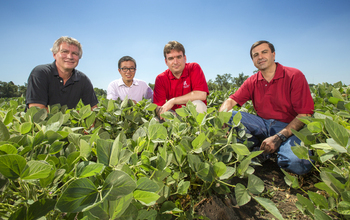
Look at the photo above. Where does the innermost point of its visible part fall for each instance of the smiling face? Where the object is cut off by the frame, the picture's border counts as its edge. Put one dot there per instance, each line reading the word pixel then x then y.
pixel 67 57
pixel 127 71
pixel 176 61
pixel 263 58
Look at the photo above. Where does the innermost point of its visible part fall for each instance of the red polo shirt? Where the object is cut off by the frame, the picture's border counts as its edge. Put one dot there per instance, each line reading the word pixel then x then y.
pixel 167 86
pixel 286 96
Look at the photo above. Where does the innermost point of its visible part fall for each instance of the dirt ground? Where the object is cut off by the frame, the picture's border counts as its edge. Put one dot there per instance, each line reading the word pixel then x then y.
pixel 224 207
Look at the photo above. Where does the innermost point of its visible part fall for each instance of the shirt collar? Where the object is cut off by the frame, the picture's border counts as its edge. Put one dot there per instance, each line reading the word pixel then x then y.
pixel 74 77
pixel 183 75
pixel 278 73
pixel 121 82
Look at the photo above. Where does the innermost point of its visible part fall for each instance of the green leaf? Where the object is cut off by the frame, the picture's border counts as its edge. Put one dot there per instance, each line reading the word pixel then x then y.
pixel 25 127
pixel 146 184
pixel 319 215
pixel 183 187
pixel 79 196
pixel 110 106
pixel 36 170
pixel 146 198
pixel 344 208
pixel 255 184
pixel 335 146
pixel 40 208
pixel 337 94
pixel 85 149
pixel 198 141
pixel 300 151
pixel 337 132
pixel 119 206
pixel 56 147
pixel 305 204
pixel 4 133
pixel 157 131
pixel 229 172
pixel 8 149
pixel 219 168
pixel 87 169
pixel 319 200
pixel 8 117
pixel 236 119
pixel 147 214
pixel 11 165
pixel 204 172
pixel 182 112
pixel 120 183
pixel 315 127
pixel 290 180
pixel 241 194
pixel 85 111
pixel 90 120
pixel 131 212
pixel 269 206
pixel 240 149
pixel 332 182
pixel 40 115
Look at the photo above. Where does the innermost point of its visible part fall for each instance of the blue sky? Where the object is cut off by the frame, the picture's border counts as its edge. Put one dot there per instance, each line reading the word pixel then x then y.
pixel 311 35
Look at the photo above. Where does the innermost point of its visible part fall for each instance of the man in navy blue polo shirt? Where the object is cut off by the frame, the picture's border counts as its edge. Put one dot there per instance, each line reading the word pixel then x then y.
pixel 59 82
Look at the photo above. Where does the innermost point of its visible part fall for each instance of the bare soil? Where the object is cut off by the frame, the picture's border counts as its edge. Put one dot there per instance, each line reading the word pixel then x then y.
pixel 224 207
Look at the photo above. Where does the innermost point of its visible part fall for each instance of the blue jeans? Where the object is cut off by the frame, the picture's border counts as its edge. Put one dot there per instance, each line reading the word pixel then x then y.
pixel 263 128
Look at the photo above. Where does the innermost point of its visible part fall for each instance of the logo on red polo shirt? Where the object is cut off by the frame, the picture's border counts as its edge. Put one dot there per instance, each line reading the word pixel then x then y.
pixel 186 85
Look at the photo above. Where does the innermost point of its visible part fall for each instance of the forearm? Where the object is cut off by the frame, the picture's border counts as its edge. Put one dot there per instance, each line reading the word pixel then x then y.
pixel 194 95
pixel 37 105
pixel 296 124
pixel 227 105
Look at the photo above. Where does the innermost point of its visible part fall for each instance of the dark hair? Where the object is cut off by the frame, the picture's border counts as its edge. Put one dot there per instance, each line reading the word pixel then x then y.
pixel 126 58
pixel 173 45
pixel 272 48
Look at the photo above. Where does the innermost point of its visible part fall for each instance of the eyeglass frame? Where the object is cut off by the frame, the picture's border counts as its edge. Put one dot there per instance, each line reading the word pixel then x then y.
pixel 124 69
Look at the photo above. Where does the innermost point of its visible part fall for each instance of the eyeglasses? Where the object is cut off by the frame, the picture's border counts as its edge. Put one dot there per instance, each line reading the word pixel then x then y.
pixel 126 69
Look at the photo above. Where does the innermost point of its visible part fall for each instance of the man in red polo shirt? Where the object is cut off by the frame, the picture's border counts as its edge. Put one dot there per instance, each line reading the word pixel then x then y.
pixel 180 83
pixel 280 95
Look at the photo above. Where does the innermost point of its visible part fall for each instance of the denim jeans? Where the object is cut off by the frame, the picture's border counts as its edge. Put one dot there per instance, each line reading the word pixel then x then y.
pixel 263 128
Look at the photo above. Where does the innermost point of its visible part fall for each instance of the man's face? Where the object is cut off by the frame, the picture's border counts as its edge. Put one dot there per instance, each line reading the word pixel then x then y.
pixel 67 57
pixel 127 71
pixel 176 61
pixel 263 59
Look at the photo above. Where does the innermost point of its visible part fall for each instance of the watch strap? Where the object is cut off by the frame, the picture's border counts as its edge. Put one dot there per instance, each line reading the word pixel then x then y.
pixel 281 136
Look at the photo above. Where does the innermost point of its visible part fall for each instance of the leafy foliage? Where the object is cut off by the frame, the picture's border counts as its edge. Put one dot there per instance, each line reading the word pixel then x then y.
pixel 118 162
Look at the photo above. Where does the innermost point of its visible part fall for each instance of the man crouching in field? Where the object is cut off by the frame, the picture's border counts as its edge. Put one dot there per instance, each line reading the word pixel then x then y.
pixel 181 83
pixel 59 82
pixel 280 95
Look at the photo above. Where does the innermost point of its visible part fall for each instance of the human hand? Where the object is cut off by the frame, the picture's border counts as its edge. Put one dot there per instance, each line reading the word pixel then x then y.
pixel 134 102
pixel 271 144
pixel 166 107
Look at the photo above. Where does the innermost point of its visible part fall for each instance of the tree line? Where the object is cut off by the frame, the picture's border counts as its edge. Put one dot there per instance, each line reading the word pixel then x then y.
pixel 221 82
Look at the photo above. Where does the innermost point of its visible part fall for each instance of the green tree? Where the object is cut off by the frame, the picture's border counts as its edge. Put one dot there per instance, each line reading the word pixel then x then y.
pixel 238 81
pixel 224 80
pixel 151 85
pixel 8 90
pixel 100 92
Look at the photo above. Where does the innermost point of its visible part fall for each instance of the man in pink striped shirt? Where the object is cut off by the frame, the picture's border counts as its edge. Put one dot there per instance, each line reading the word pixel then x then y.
pixel 128 86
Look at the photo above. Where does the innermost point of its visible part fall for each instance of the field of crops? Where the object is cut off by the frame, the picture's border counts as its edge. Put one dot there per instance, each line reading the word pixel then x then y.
pixel 118 162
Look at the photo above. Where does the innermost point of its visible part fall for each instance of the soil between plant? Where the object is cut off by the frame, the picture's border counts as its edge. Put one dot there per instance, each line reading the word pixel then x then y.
pixel 224 207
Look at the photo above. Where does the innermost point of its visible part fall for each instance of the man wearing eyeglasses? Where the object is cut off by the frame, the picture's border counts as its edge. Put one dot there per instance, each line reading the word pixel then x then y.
pixel 128 86
pixel 181 83
pixel 59 82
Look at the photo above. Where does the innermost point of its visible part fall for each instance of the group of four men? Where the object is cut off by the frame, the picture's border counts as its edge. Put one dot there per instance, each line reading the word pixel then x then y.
pixel 280 94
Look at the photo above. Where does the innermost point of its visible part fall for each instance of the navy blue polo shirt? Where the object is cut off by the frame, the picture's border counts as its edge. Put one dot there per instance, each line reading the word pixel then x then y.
pixel 46 87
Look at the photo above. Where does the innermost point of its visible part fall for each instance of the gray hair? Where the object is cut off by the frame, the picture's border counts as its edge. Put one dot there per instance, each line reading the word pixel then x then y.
pixel 68 40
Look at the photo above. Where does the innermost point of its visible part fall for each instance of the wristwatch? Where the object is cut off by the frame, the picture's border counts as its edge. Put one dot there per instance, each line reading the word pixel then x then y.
pixel 281 136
